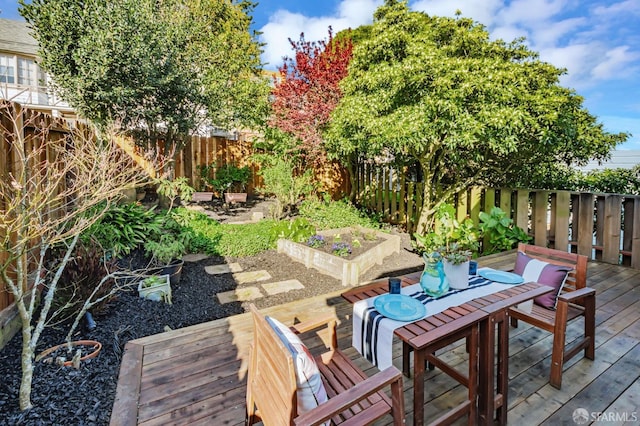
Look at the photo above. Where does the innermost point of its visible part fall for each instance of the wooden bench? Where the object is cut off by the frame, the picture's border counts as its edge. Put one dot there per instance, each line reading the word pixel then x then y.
pixel 575 300
pixel 354 399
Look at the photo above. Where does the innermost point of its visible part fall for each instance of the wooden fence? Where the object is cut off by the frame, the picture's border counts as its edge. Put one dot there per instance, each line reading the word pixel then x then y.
pixel 604 227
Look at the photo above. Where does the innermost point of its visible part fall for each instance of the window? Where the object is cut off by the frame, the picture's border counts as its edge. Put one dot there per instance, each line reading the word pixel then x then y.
pixel 27 72
pixel 7 69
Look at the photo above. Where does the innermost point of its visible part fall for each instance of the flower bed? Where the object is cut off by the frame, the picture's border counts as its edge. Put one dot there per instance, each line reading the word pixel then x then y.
pixel 348 271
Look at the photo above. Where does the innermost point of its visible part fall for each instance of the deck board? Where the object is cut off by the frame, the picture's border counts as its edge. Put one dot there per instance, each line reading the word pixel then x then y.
pixel 197 375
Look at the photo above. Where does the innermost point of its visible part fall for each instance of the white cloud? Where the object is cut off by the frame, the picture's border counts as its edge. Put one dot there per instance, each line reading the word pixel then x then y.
pixel 481 11
pixel 616 61
pixel 284 25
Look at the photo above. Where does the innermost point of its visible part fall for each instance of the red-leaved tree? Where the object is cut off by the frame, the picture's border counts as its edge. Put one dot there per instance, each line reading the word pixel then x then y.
pixel 307 91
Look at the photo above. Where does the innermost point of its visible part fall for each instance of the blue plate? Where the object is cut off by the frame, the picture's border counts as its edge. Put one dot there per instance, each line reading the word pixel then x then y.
pixel 501 276
pixel 400 307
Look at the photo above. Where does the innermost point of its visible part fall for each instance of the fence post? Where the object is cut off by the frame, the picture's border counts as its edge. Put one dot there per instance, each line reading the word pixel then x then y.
pixel 539 222
pixel 560 220
pixel 522 209
pixel 585 225
pixel 611 227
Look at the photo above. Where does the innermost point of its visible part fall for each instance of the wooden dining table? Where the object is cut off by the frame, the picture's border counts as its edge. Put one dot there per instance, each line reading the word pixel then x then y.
pixel 483 322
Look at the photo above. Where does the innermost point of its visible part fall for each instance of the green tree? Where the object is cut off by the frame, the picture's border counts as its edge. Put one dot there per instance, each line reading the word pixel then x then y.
pixel 151 67
pixel 437 91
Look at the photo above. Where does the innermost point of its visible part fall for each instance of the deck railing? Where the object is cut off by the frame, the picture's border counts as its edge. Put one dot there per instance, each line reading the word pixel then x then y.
pixel 604 227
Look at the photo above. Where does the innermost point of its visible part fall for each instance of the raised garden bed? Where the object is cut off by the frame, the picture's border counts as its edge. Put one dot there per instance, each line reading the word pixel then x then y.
pixel 348 271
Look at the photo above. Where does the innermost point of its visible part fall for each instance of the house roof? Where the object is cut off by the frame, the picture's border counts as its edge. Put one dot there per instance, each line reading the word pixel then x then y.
pixel 15 37
pixel 620 159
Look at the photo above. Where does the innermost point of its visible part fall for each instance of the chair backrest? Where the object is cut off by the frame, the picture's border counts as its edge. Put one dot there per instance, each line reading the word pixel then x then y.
pixel 576 279
pixel 272 375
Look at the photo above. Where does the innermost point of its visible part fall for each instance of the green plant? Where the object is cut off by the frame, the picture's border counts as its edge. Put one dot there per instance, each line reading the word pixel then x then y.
pixel 335 214
pixel 124 227
pixel 500 231
pixel 341 249
pixel 287 185
pixel 297 230
pixel 316 241
pixel 171 189
pixel 456 241
pixel 80 278
pixel 166 249
pixel 230 178
pixel 152 281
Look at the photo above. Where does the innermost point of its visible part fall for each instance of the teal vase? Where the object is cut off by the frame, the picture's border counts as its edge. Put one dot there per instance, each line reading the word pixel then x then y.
pixel 433 280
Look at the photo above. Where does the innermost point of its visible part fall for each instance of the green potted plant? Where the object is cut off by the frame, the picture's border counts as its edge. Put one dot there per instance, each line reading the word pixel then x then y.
pixel 231 182
pixel 455 241
pixel 166 256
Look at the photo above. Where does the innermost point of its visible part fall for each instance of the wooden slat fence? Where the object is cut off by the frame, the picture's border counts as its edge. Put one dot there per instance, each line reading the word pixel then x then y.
pixel 605 227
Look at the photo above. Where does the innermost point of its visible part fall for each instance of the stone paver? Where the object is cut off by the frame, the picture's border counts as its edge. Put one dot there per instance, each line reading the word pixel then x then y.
pixel 282 286
pixel 251 276
pixel 194 257
pixel 239 295
pixel 223 269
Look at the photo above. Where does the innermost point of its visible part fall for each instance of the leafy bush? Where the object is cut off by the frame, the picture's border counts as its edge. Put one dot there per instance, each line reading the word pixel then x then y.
pixel 288 187
pixel 124 227
pixel 335 214
pixel 230 177
pixel 205 235
pixel 171 189
pixel 79 279
pixel 501 232
pixel 297 230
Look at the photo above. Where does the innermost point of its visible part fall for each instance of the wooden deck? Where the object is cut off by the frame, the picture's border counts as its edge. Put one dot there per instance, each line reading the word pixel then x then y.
pixel 196 375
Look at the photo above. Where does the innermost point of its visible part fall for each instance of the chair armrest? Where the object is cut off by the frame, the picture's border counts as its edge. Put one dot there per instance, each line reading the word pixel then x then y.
pixel 573 296
pixel 347 399
pixel 327 319
pixel 317 322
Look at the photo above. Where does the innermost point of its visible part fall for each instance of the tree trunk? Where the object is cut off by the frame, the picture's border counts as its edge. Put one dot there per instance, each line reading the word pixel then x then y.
pixel 27 366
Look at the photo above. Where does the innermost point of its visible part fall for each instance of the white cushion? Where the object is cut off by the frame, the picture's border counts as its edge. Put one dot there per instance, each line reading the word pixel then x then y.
pixel 311 391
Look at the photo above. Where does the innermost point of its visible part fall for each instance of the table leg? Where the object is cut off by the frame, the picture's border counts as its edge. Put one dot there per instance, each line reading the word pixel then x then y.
pixel 486 374
pixel 406 361
pixel 418 387
pixel 503 366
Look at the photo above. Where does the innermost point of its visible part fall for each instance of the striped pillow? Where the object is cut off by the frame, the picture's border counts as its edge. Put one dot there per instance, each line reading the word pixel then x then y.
pixel 544 273
pixel 311 391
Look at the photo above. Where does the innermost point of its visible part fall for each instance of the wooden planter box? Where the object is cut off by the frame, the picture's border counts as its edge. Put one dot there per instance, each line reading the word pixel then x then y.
pixel 205 197
pixel 348 271
pixel 235 197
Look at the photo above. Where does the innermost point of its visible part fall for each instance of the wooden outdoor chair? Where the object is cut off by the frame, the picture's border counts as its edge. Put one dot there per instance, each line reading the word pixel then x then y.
pixel 574 300
pixel 353 399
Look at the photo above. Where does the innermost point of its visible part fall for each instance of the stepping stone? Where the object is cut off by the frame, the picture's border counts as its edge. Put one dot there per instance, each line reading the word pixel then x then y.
pixel 239 222
pixel 194 257
pixel 223 269
pixel 239 295
pixel 257 216
pixel 251 276
pixel 282 286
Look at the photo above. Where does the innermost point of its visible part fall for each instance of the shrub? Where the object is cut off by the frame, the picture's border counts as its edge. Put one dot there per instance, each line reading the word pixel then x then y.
pixel 500 231
pixel 288 187
pixel 335 214
pixel 79 279
pixel 297 230
pixel 124 227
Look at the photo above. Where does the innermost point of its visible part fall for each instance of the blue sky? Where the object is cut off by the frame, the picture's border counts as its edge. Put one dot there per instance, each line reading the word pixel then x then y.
pixel 597 41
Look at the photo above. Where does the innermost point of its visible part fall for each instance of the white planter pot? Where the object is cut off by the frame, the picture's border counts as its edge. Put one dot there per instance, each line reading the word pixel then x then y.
pixel 157 292
pixel 457 275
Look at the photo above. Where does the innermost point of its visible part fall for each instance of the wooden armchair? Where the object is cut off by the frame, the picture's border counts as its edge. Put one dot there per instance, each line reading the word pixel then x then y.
pixel 354 399
pixel 575 300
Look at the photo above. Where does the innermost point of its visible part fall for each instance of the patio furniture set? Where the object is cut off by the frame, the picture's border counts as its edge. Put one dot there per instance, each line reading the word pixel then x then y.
pixel 480 314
